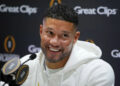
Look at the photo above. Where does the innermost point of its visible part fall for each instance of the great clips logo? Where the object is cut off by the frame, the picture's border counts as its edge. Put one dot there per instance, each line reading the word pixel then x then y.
pixel 24 9
pixel 33 49
pixel 115 53
pixel 101 10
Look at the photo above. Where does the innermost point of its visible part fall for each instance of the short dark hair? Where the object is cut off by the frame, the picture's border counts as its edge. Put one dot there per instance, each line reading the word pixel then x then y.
pixel 62 12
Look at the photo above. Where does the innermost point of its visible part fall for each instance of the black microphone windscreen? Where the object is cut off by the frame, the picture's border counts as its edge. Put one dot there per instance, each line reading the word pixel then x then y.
pixel 33 56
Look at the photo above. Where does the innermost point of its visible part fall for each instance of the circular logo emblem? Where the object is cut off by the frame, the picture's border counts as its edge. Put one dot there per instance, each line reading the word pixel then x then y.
pixel 9 44
pixel 53 1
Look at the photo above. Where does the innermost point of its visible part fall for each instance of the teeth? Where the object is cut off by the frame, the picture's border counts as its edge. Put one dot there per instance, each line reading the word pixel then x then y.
pixel 54 49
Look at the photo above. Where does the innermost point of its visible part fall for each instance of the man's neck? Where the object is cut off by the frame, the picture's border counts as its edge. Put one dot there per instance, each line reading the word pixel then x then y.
pixel 57 65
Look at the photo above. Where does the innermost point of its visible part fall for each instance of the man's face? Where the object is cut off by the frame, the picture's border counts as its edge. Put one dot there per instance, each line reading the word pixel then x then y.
pixel 57 39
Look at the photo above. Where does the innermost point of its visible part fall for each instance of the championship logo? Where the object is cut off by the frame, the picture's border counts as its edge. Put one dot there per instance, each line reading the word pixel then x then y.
pixel 54 1
pixel 9 44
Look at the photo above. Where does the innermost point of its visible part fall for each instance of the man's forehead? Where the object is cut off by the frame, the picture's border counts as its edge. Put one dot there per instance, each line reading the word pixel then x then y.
pixel 56 21
pixel 60 25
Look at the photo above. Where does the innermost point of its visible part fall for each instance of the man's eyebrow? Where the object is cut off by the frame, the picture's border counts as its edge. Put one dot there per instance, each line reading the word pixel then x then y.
pixel 49 28
pixel 66 32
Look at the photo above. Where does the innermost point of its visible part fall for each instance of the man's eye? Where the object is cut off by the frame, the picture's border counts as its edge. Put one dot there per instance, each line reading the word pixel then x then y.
pixel 50 32
pixel 65 35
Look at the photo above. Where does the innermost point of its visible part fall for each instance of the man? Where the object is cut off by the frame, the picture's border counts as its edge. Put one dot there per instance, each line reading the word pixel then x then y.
pixel 64 60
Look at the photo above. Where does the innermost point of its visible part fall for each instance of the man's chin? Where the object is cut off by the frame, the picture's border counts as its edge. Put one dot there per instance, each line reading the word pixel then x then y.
pixel 53 60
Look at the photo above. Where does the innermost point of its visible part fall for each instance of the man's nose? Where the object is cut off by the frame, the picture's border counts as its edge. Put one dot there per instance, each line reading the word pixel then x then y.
pixel 55 41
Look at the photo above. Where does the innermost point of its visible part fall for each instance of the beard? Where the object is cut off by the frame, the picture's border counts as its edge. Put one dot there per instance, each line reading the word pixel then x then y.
pixel 62 55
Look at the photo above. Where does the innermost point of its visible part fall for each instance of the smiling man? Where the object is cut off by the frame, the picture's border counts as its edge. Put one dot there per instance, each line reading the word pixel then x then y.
pixel 63 59
pixel 57 39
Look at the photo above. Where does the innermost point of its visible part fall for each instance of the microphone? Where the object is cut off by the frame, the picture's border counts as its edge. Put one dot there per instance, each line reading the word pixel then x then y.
pixel 18 71
pixel 32 57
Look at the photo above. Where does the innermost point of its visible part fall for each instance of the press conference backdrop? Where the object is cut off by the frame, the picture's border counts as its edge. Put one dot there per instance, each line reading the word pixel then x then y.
pixel 99 23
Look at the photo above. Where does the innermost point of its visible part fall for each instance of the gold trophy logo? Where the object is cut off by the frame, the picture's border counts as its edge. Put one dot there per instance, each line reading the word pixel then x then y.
pixel 9 44
pixel 53 1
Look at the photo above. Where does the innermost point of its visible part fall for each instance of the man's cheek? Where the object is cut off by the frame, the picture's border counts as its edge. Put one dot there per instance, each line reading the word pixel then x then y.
pixel 44 40
pixel 68 43
pixel 70 46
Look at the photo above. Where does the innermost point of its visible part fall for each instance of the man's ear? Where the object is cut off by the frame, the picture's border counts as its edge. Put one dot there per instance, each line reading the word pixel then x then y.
pixel 41 28
pixel 77 35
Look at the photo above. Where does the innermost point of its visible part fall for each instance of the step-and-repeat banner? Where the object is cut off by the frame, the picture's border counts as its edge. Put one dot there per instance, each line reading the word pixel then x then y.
pixel 99 23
